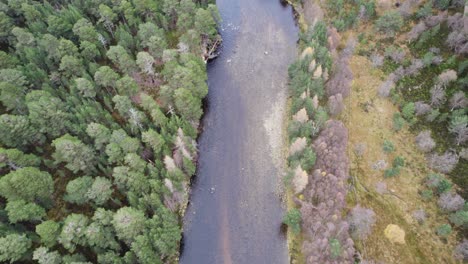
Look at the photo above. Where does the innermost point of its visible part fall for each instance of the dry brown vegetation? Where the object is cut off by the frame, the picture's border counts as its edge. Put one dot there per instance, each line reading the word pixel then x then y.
pixel 369 120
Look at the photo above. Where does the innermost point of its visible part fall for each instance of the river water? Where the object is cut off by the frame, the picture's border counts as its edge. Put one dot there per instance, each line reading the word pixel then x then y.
pixel 236 207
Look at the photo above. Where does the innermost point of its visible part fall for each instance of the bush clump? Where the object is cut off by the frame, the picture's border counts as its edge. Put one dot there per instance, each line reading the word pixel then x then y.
pixel 389 23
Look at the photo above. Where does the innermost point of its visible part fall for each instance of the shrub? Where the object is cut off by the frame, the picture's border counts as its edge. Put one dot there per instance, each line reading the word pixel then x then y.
pixel 399 162
pixel 293 220
pixel 425 10
pixel 444 230
pixel 408 111
pixel 388 146
pixel 427 195
pixel 361 220
pixel 442 4
pixel 392 172
pixel 438 182
pixel 395 54
pixel 433 114
pixel 335 248
pixel 389 23
pixel 398 122
pixel 459 218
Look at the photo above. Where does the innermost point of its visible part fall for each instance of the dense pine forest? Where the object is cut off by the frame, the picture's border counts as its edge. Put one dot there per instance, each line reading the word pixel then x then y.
pixel 100 104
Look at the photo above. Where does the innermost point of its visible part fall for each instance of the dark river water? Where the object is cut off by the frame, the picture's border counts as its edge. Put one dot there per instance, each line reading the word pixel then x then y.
pixel 236 206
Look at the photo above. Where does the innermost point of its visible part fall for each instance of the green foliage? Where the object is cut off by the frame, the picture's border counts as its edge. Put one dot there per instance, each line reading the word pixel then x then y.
pixel 293 220
pixel 408 111
pixel 444 230
pixel 43 256
pixel 47 112
pixel 335 248
pixel 128 223
pixel 187 104
pixel 100 234
pixel 392 172
pixel 82 85
pixel 425 10
pixel 399 162
pixel 100 191
pixel 442 4
pixel 389 23
pixel 439 183
pixel 19 210
pixel 398 122
pixel 459 218
pixel 74 232
pixel 77 190
pixel 16 131
pixel 29 184
pixel 306 159
pixel 15 159
pixel 76 155
pixel 427 195
pixel 13 247
pixel 388 146
pixel 49 232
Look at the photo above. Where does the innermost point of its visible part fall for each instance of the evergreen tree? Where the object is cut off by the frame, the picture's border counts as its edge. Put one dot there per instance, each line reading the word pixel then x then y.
pixel 76 155
pixel 13 247
pixel 29 184
pixel 49 232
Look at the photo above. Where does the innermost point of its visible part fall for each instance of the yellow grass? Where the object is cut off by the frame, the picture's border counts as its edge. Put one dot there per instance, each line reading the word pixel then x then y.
pixel 369 120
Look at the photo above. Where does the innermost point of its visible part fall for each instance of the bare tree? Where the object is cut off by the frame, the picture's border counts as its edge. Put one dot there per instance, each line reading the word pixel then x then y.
pixel 377 60
pixel 385 88
pixel 461 251
pixel 420 216
pixel 395 54
pixel 437 95
pixel 432 21
pixel 451 202
pixel 335 104
pixel 447 77
pixel 415 67
pixel 444 163
pixel 360 149
pixel 340 81
pixel 361 220
pixel 458 100
pixel 421 108
pixel 424 141
pixel 464 153
pixel 416 31
pixel 460 130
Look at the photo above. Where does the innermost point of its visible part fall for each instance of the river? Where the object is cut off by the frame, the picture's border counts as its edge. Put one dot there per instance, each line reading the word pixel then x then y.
pixel 236 207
